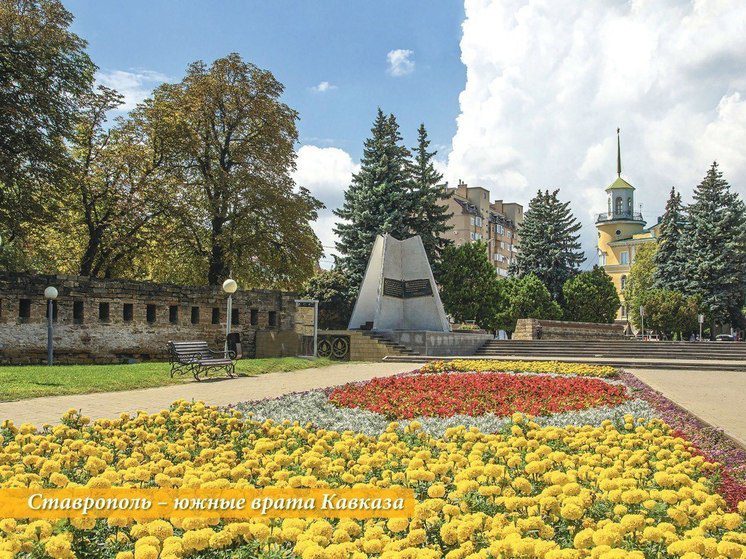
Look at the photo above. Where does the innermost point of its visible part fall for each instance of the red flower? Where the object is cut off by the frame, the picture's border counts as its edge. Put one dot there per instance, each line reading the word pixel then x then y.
pixel 445 395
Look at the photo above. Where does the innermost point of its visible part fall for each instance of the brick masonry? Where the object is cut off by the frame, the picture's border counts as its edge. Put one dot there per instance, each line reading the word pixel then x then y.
pixel 534 329
pixel 108 321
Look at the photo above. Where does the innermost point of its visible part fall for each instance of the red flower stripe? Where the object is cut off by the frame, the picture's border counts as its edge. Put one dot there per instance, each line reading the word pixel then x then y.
pixel 475 394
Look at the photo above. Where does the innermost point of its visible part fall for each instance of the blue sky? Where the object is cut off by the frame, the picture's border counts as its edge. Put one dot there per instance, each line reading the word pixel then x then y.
pixel 342 43
pixel 517 95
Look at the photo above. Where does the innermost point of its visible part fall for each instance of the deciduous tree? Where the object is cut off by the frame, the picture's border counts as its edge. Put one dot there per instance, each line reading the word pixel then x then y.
pixel 44 74
pixel 469 288
pixel 230 146
pixel 525 297
pixel 591 297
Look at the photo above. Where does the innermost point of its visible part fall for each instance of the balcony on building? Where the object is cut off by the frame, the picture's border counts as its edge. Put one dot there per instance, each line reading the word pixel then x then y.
pixel 620 216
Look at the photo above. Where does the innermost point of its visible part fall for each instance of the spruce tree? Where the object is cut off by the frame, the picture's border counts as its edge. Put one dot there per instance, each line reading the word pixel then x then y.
pixel 429 195
pixel 715 239
pixel 378 199
pixel 550 245
pixel 670 258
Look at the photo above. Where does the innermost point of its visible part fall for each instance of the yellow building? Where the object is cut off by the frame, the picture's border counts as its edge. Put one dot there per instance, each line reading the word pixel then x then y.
pixel 621 231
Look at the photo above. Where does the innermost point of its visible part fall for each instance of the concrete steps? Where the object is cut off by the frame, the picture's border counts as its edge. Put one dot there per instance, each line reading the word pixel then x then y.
pixel 388 342
pixel 632 363
pixel 616 349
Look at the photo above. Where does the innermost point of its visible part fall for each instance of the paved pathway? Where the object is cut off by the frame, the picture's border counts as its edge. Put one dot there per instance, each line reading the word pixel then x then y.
pixel 716 397
pixel 216 392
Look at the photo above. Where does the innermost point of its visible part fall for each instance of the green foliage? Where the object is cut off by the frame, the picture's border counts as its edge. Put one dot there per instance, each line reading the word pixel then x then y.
pixel 229 146
pixel 333 291
pixel 378 199
pixel 44 73
pixel 640 280
pixel 469 288
pixel 715 239
pixel 550 246
pixel 667 312
pixel 591 297
pixel 395 192
pixel 525 297
pixel 670 259
pixel 429 195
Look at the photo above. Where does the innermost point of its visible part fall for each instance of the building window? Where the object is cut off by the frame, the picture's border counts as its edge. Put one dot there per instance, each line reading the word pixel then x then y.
pixel 150 314
pixel 24 309
pixel 272 319
pixel 128 312
pixel 609 204
pixel 78 313
pixel 195 315
pixel 103 312
pixel 173 314
pixel 478 221
pixel 629 204
pixel 623 311
pixel 254 317
pixel 623 281
pixel 235 317
pixel 624 257
pixel 215 315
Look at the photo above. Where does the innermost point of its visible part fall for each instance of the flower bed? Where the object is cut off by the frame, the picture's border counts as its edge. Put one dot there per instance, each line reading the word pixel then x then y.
pixel 553 367
pixel 710 442
pixel 445 395
pixel 627 490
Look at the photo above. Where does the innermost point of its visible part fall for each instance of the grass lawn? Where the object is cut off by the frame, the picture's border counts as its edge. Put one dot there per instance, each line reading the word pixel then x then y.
pixel 30 381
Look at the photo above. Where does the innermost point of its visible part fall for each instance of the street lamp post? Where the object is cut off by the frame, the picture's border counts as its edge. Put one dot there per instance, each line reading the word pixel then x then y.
pixel 229 286
pixel 50 293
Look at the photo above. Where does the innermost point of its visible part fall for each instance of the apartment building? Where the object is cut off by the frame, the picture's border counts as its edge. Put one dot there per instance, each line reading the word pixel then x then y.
pixel 476 218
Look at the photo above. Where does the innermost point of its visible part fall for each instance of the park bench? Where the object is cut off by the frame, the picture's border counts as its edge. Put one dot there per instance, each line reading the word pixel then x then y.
pixel 199 360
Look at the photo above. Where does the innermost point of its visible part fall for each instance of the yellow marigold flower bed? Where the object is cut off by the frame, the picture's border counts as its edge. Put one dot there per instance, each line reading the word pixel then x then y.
pixel 619 490
pixel 485 365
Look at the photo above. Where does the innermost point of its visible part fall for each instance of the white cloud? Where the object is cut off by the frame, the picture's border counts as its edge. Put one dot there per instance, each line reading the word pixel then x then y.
pixel 549 82
pixel 326 172
pixel 400 62
pixel 323 87
pixel 134 86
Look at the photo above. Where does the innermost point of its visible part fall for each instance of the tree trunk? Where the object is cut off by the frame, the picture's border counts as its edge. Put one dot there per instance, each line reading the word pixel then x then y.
pixel 218 270
pixel 91 251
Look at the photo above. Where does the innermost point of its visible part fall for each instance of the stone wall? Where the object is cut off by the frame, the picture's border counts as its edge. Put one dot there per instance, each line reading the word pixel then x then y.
pixel 534 329
pixel 441 343
pixel 108 321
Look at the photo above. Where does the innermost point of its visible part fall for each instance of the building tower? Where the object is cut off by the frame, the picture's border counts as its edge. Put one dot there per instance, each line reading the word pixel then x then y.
pixel 619 230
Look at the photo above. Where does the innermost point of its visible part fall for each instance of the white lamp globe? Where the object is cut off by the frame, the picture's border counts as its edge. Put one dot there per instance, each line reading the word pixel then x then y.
pixel 230 286
pixel 51 293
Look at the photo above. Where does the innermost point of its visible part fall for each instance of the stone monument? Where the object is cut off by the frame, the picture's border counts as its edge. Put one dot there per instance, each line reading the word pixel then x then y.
pixel 398 291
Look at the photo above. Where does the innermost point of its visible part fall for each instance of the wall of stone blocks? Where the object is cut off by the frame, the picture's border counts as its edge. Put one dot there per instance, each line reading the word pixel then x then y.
pixel 84 332
pixel 533 329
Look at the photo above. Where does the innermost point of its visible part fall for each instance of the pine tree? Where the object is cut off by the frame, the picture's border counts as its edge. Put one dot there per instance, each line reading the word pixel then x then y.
pixel 715 238
pixel 378 199
pixel 550 246
pixel 670 258
pixel 429 196
pixel 470 289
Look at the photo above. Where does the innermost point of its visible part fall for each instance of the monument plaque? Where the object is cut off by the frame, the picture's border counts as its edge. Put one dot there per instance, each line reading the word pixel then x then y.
pixel 398 291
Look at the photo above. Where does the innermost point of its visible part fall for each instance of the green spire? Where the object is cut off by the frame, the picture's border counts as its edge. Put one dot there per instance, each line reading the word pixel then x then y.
pixel 618 155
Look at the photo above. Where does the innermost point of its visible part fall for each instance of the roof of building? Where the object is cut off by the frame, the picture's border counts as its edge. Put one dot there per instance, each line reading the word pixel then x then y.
pixel 620 183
